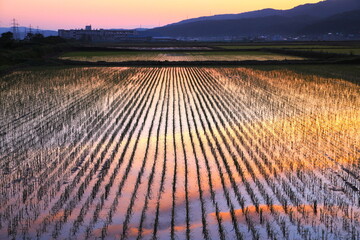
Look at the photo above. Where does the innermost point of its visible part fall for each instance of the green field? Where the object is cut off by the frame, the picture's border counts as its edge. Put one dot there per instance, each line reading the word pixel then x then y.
pixel 235 47
pixel 351 50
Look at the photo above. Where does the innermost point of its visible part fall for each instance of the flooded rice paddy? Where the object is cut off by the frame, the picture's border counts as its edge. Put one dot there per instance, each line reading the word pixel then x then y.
pixel 178 153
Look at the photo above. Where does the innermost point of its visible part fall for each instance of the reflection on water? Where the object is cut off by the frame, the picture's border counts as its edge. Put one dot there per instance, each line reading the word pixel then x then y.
pixel 182 56
pixel 180 152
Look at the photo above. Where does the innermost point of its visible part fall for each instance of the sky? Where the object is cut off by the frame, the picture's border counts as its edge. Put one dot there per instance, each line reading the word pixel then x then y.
pixel 66 14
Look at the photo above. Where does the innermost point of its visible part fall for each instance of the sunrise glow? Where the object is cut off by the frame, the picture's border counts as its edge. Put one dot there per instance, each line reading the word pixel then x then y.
pixel 123 14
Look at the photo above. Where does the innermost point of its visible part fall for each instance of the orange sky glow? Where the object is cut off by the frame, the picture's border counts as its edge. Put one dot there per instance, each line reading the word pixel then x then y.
pixel 54 14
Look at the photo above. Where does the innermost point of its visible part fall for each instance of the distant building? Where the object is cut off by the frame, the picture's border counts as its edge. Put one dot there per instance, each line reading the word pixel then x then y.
pixel 101 35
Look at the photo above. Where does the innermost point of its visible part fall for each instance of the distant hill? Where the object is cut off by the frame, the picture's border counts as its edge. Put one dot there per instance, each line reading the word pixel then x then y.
pixel 24 30
pixel 248 26
pixel 304 18
pixel 319 10
pixel 348 22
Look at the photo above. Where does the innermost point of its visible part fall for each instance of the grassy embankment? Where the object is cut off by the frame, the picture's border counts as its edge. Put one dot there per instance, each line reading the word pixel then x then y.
pixel 35 51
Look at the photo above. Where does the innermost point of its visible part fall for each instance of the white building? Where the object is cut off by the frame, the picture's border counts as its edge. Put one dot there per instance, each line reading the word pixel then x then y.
pixel 98 35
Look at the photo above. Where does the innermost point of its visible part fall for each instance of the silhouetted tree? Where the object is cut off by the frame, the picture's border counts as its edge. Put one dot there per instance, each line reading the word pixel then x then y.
pixel 35 38
pixel 54 40
pixel 7 40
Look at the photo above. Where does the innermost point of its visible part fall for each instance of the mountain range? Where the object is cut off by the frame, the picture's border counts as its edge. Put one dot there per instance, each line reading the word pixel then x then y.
pixel 335 16
pixel 329 16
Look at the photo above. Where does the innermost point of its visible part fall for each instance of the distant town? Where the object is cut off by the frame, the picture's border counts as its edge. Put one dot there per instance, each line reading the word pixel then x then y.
pixel 89 34
pixel 102 35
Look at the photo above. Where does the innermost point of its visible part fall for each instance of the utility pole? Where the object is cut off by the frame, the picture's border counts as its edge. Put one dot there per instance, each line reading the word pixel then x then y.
pixel 14 26
pixel 15 29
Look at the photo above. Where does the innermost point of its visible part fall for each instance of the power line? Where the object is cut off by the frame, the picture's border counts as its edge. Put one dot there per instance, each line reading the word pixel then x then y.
pixel 15 29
